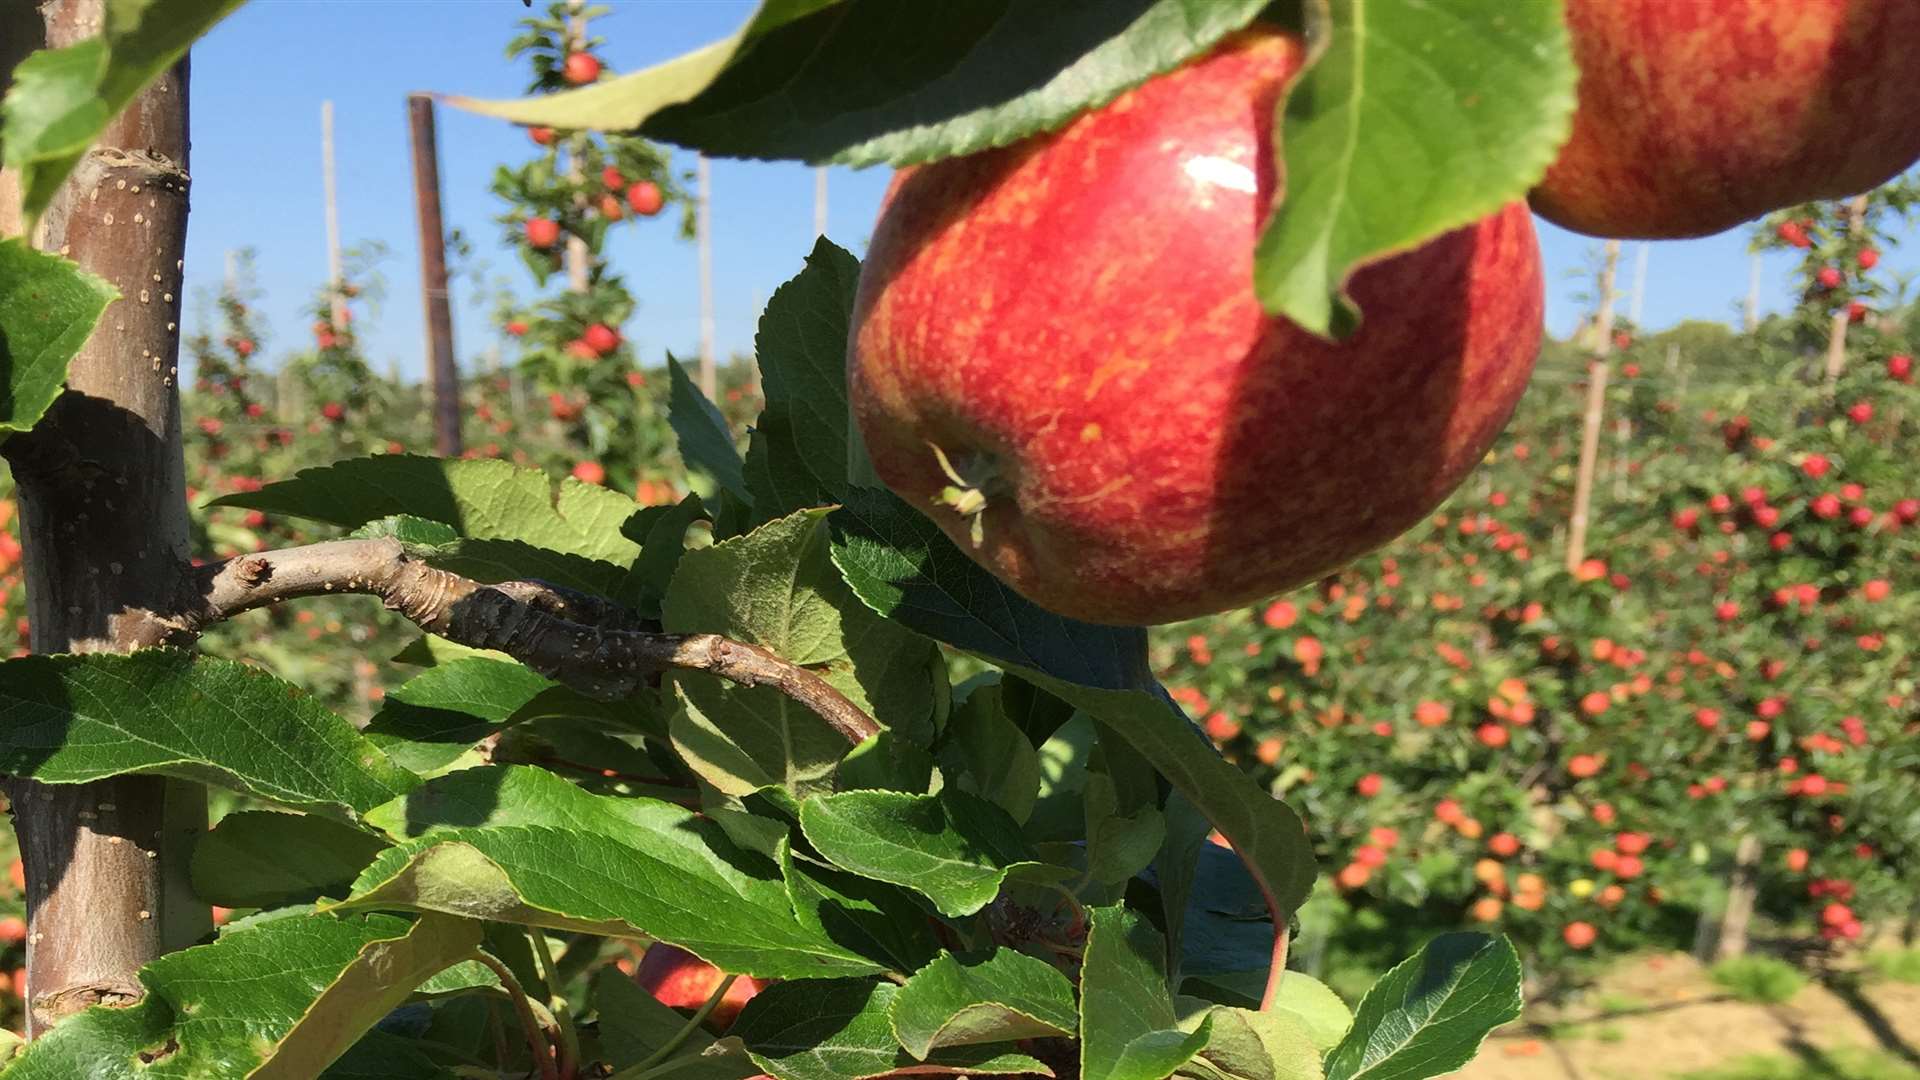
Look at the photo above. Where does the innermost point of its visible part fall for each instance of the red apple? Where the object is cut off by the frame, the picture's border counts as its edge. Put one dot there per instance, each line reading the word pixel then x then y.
pixel 590 472
pixel 677 978
pixel 1696 115
pixel 543 232
pixel 581 68
pixel 611 177
pixel 1058 356
pixel 541 135
pixel 646 198
pixel 602 338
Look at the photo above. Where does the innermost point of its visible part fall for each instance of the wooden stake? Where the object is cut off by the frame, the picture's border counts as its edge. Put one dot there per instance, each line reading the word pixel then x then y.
pixel 703 229
pixel 1602 342
pixel 1753 293
pixel 442 374
pixel 579 259
pixel 1837 333
pixel 334 271
pixel 1639 285
pixel 103 510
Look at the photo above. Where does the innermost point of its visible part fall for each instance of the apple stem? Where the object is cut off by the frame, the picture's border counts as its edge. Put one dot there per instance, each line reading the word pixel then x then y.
pixel 557 1004
pixel 522 1007
pixel 1277 969
pixel 671 1046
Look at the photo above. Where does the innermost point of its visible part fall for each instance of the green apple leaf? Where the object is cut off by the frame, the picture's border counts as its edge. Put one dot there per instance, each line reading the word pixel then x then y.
pixel 996 997
pixel 277 998
pixel 1429 1014
pixel 776 587
pixel 838 1030
pixel 521 845
pixel 1417 118
pixel 48 309
pixel 258 858
pixel 798 454
pixel 484 499
pixel 983 752
pixel 62 99
pixel 76 719
pixel 1247 1045
pixel 661 532
pixel 426 723
pixel 984 75
pixel 900 563
pixel 382 1056
pixel 1319 1011
pixel 1128 1029
pixel 1176 866
pixel 1124 825
pixel 953 848
pixel 876 919
pixel 706 443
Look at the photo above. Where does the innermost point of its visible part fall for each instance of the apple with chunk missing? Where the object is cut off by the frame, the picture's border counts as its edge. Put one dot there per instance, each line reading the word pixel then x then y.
pixel 1058 355
pixel 1696 115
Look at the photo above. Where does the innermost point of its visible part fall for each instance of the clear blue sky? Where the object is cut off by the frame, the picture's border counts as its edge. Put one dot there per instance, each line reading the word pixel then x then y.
pixel 259 79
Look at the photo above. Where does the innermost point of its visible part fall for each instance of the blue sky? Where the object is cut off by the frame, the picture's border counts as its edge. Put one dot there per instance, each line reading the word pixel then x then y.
pixel 259 79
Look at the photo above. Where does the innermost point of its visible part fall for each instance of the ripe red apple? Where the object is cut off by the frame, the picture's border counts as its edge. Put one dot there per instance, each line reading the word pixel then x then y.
pixel 646 198
pixel 601 338
pixel 610 208
pixel 334 411
pixel 1058 356
pixel 677 978
pixel 590 472
pixel 1696 115
pixel 581 68
pixel 611 177
pixel 1579 935
pixel 1829 277
pixel 543 232
pixel 517 328
pixel 541 135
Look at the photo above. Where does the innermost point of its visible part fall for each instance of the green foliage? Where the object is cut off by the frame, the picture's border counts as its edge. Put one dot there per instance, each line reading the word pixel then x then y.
pixel 48 307
pixel 1429 1014
pixel 1839 1065
pixel 1759 980
pixel 1415 119
pixel 1900 965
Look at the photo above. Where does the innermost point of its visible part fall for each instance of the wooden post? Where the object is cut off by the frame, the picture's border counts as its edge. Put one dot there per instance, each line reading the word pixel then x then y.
pixel 703 229
pixel 334 271
pixel 102 496
pixel 579 259
pixel 442 375
pixel 1752 320
pixel 1837 333
pixel 1639 285
pixel 1730 939
pixel 820 201
pixel 1596 408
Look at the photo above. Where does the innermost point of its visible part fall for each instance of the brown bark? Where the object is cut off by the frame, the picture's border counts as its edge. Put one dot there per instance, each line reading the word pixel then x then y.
pixel 591 644
pixel 103 511
pixel 442 375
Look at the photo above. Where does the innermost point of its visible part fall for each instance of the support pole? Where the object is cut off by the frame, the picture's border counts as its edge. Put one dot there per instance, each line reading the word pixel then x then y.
pixel 442 374
pixel 1837 333
pixel 1595 412
pixel 703 228
pixel 334 271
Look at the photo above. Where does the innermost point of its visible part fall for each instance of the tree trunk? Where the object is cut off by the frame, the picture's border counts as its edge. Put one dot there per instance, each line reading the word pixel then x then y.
pixel 102 496
pixel 1837 333
pixel 1729 939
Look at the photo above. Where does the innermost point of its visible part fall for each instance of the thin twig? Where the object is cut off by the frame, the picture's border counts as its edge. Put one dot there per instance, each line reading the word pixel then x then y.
pixel 556 1002
pixel 673 1045
pixel 536 1038
pixel 591 644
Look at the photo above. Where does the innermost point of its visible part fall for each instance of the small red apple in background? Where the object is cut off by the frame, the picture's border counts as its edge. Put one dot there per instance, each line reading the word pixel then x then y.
pixel 1579 935
pixel 677 978
pixel 543 232
pixel 1900 367
pixel 646 198
pixel 601 338
pixel 581 68
pixel 610 208
pixel 541 135
pixel 590 472
pixel 1829 277
pixel 1696 115
pixel 333 411
pixel 13 930
pixel 580 350
pixel 1135 440
pixel 1369 785
pixel 611 177
pixel 517 328
pixel 1869 258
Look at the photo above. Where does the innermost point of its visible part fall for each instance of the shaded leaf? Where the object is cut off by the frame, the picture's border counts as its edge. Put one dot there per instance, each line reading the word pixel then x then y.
pixel 706 443
pixel 998 997
pixel 1127 1023
pixel 426 723
pixel 953 848
pixel 257 858
pixel 838 1030
pixel 798 455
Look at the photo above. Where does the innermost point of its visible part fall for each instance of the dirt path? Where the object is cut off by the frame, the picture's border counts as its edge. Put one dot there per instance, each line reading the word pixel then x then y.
pixel 1661 1016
